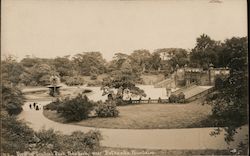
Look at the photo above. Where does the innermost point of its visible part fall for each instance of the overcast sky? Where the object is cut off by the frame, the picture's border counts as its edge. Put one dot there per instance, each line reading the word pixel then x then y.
pixel 50 28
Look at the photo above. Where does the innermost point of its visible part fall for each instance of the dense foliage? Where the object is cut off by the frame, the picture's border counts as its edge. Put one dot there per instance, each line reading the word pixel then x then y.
pixel 106 109
pixel 32 71
pixel 230 101
pixel 12 99
pixel 180 98
pixel 75 109
pixel 205 52
pixel 16 136
pixel 72 81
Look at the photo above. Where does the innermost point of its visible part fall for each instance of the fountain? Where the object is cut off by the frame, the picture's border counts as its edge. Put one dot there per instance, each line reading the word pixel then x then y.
pixel 54 86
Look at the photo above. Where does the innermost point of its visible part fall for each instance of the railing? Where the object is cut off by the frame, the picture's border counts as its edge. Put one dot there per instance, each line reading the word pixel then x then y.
pixel 146 101
pixel 192 98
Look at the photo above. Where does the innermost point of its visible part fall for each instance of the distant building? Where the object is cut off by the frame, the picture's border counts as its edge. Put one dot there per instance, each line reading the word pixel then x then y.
pixel 166 55
pixel 187 76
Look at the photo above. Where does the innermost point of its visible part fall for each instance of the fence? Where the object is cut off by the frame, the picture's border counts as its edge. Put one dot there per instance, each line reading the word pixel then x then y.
pixel 146 101
pixel 187 100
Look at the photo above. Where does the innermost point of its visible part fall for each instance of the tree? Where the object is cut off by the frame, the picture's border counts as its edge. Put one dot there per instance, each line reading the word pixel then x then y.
pixel 88 61
pixel 170 57
pixel 11 70
pixel 63 66
pixel 205 52
pixel 233 54
pixel 29 62
pixel 180 58
pixel 140 59
pixel 166 53
pixel 41 73
pixel 12 99
pixel 26 78
pixel 118 60
pixel 230 101
pixel 155 61
pixel 124 79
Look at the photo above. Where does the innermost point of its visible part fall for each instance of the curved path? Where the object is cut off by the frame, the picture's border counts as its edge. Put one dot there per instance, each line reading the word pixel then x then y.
pixel 192 138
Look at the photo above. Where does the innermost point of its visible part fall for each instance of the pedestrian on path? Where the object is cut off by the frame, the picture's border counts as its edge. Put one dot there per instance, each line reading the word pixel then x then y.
pixel 30 106
pixel 40 106
pixel 34 105
pixel 37 108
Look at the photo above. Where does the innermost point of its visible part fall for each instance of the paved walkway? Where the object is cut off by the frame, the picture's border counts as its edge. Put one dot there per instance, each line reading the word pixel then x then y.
pixel 193 138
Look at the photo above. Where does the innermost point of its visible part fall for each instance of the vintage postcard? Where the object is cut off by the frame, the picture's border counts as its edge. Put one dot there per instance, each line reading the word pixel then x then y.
pixel 124 77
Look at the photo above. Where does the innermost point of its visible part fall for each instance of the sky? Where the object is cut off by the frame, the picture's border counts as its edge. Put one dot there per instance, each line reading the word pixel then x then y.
pixel 50 28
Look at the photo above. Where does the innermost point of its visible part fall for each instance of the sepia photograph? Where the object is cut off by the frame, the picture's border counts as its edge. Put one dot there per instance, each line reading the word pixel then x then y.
pixel 124 77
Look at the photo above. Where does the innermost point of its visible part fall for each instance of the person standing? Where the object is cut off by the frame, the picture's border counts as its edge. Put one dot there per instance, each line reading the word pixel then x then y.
pixel 40 106
pixel 30 106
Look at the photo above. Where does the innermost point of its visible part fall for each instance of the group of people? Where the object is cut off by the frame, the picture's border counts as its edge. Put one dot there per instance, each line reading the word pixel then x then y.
pixel 35 106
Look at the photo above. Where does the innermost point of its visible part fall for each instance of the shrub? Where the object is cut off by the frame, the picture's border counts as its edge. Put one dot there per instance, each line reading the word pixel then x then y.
pixel 181 97
pixel 93 77
pixel 50 140
pixel 96 83
pixel 107 109
pixel 53 105
pixel 81 142
pixel 46 141
pixel 72 81
pixel 16 135
pixel 75 109
pixel 173 98
pixel 120 102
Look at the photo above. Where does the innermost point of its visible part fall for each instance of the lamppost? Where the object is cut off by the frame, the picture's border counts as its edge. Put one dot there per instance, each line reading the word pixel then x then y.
pixel 211 66
pixel 175 77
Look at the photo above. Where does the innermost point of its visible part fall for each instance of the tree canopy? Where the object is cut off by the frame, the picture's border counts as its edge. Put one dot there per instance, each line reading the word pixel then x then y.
pixel 205 52
pixel 230 101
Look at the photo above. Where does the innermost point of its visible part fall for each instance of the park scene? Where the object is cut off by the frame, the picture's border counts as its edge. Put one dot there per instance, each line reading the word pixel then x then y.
pixel 161 101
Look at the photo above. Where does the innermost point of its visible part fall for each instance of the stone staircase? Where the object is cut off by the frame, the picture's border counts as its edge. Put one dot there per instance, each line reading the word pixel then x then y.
pixel 194 92
pixel 164 83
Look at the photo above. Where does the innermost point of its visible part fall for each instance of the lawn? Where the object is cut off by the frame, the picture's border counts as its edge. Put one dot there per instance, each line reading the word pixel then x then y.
pixel 149 116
